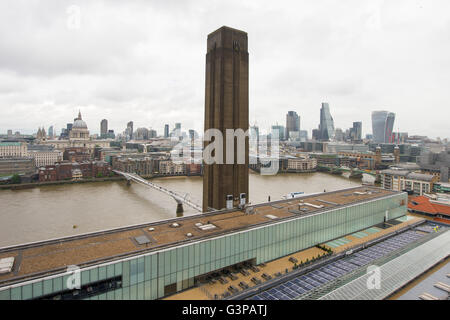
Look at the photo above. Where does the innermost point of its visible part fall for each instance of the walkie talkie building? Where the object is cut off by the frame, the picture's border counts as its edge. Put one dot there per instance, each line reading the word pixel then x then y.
pixel 383 126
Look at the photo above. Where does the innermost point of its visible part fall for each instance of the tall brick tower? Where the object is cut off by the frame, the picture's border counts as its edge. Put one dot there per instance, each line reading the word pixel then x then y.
pixel 226 107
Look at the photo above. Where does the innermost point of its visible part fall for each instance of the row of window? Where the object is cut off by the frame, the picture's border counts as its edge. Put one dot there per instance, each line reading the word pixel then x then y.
pixel 86 291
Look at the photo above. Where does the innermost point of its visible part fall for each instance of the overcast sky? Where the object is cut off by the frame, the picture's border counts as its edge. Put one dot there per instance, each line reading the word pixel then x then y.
pixel 145 61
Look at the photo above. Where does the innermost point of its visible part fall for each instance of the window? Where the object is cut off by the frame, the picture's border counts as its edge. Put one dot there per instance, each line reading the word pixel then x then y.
pixel 86 291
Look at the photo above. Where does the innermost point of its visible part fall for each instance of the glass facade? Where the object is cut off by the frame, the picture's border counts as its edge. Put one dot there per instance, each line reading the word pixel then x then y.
pixel 382 126
pixel 156 274
pixel 326 126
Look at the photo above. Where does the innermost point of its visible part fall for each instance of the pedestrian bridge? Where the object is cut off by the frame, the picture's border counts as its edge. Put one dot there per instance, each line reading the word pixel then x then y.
pixel 180 199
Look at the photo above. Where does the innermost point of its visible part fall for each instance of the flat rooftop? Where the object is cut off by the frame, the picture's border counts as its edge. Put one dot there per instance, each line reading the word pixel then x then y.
pixel 53 256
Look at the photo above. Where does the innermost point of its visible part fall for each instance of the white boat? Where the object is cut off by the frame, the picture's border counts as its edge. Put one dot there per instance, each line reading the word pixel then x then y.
pixel 293 195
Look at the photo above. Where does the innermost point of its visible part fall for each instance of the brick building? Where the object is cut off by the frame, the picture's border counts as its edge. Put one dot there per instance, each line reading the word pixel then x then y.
pixel 72 170
pixel 193 169
pixel 168 167
pixel 76 154
pixel 143 166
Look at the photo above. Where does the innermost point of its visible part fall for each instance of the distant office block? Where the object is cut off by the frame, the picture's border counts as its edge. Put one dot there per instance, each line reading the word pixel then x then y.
pixel 129 131
pixel 166 131
pixel 278 131
pixel 292 123
pixel 50 132
pixel 104 128
pixel 356 131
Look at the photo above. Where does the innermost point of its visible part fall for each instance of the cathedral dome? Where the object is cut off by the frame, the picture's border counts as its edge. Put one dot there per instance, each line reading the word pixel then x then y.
pixel 79 129
pixel 79 124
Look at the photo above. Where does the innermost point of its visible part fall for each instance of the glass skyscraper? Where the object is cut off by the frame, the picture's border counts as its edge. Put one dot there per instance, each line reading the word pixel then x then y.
pixel 390 127
pixel 50 132
pixel 326 126
pixel 356 131
pixel 279 130
pixel 166 131
pixel 382 126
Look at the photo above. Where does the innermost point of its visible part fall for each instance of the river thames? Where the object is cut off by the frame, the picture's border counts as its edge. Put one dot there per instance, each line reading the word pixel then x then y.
pixel 63 210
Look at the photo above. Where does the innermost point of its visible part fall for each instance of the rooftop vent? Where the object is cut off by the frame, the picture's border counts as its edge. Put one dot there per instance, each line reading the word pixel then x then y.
pixel 189 235
pixel 151 229
pixel 271 216
pixel 175 225
pixel 427 296
pixel 198 224
pixel 205 227
pixel 6 265
pixel 276 206
pixel 312 205
pixel 142 240
pixel 442 286
pixel 250 210
pixel 327 202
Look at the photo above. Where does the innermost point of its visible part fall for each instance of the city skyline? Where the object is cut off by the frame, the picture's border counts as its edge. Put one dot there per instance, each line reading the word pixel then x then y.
pixel 123 131
pixel 54 82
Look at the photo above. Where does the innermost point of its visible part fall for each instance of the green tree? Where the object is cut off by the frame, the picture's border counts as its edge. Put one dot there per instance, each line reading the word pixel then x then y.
pixel 16 179
pixel 99 175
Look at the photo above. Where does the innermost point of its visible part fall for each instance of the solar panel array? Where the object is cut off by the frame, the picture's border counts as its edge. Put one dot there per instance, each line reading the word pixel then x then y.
pixel 398 270
pixel 313 279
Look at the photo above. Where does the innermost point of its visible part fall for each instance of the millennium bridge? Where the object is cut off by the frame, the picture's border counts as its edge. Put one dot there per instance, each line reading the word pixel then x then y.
pixel 179 198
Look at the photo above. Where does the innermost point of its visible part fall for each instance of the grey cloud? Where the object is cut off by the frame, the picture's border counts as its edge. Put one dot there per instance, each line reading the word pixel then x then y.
pixel 144 61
